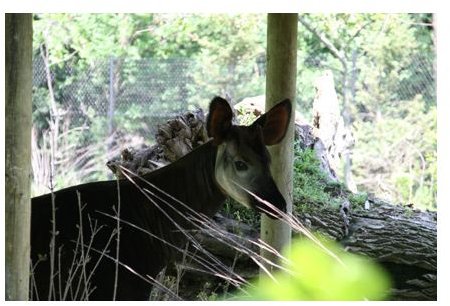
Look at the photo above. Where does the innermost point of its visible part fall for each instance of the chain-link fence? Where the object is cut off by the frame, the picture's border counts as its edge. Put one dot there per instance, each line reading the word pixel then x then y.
pixel 152 90
pixel 107 105
pixel 108 89
pixel 364 82
pixel 147 89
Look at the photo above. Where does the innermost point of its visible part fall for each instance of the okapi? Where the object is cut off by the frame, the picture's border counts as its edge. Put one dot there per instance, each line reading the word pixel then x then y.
pixel 235 163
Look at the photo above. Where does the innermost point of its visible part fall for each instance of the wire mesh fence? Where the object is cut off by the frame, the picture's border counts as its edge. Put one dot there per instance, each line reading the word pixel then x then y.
pixel 107 89
pixel 107 105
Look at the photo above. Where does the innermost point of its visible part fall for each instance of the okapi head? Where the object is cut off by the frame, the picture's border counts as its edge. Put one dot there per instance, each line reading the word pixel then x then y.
pixel 242 168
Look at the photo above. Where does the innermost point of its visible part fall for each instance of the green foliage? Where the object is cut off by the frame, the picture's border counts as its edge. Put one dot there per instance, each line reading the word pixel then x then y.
pixel 399 151
pixel 358 199
pixel 393 55
pixel 40 107
pixel 244 116
pixel 311 186
pixel 390 78
pixel 314 275
pixel 240 213
pixel 310 183
pixel 231 46
pixel 387 48
pixel 207 294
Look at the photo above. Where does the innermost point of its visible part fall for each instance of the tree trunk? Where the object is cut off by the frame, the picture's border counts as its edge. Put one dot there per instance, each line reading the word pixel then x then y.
pixel 18 42
pixel 329 126
pixel 281 84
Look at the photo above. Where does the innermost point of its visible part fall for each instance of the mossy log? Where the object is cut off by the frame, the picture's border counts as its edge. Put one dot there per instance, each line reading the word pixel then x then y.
pixel 402 239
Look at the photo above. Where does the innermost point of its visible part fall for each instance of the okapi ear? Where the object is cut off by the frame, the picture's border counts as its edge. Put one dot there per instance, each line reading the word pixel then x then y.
pixel 275 122
pixel 219 119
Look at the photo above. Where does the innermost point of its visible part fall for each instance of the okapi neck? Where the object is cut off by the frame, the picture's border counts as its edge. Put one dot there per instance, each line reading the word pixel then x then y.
pixel 191 179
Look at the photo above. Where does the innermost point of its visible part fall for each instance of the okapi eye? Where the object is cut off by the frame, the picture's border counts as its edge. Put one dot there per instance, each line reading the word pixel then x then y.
pixel 240 165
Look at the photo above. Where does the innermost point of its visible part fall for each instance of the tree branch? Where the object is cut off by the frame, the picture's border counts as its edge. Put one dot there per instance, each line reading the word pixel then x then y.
pixel 337 53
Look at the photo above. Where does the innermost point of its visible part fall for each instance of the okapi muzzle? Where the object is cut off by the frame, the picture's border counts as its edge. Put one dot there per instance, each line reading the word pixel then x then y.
pixel 242 167
pixel 270 201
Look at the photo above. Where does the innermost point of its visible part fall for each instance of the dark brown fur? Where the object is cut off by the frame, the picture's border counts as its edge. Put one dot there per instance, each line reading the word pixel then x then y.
pixel 144 222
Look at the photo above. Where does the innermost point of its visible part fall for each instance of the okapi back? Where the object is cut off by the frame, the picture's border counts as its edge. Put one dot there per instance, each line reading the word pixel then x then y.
pixel 189 180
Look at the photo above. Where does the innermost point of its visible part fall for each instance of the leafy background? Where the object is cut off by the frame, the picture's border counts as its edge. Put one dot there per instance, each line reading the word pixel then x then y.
pixel 156 65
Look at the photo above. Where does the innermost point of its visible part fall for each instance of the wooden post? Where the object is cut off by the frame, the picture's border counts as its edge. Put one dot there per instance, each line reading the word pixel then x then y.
pixel 18 73
pixel 281 84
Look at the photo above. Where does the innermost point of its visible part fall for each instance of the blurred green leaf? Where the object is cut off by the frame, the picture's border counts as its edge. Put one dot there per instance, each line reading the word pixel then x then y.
pixel 316 275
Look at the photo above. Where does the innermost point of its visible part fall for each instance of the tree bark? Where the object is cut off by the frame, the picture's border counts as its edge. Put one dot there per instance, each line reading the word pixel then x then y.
pixel 402 239
pixel 281 84
pixel 18 42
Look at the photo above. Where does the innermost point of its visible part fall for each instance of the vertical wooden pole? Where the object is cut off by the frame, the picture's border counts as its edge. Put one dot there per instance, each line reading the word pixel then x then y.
pixel 18 73
pixel 281 84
